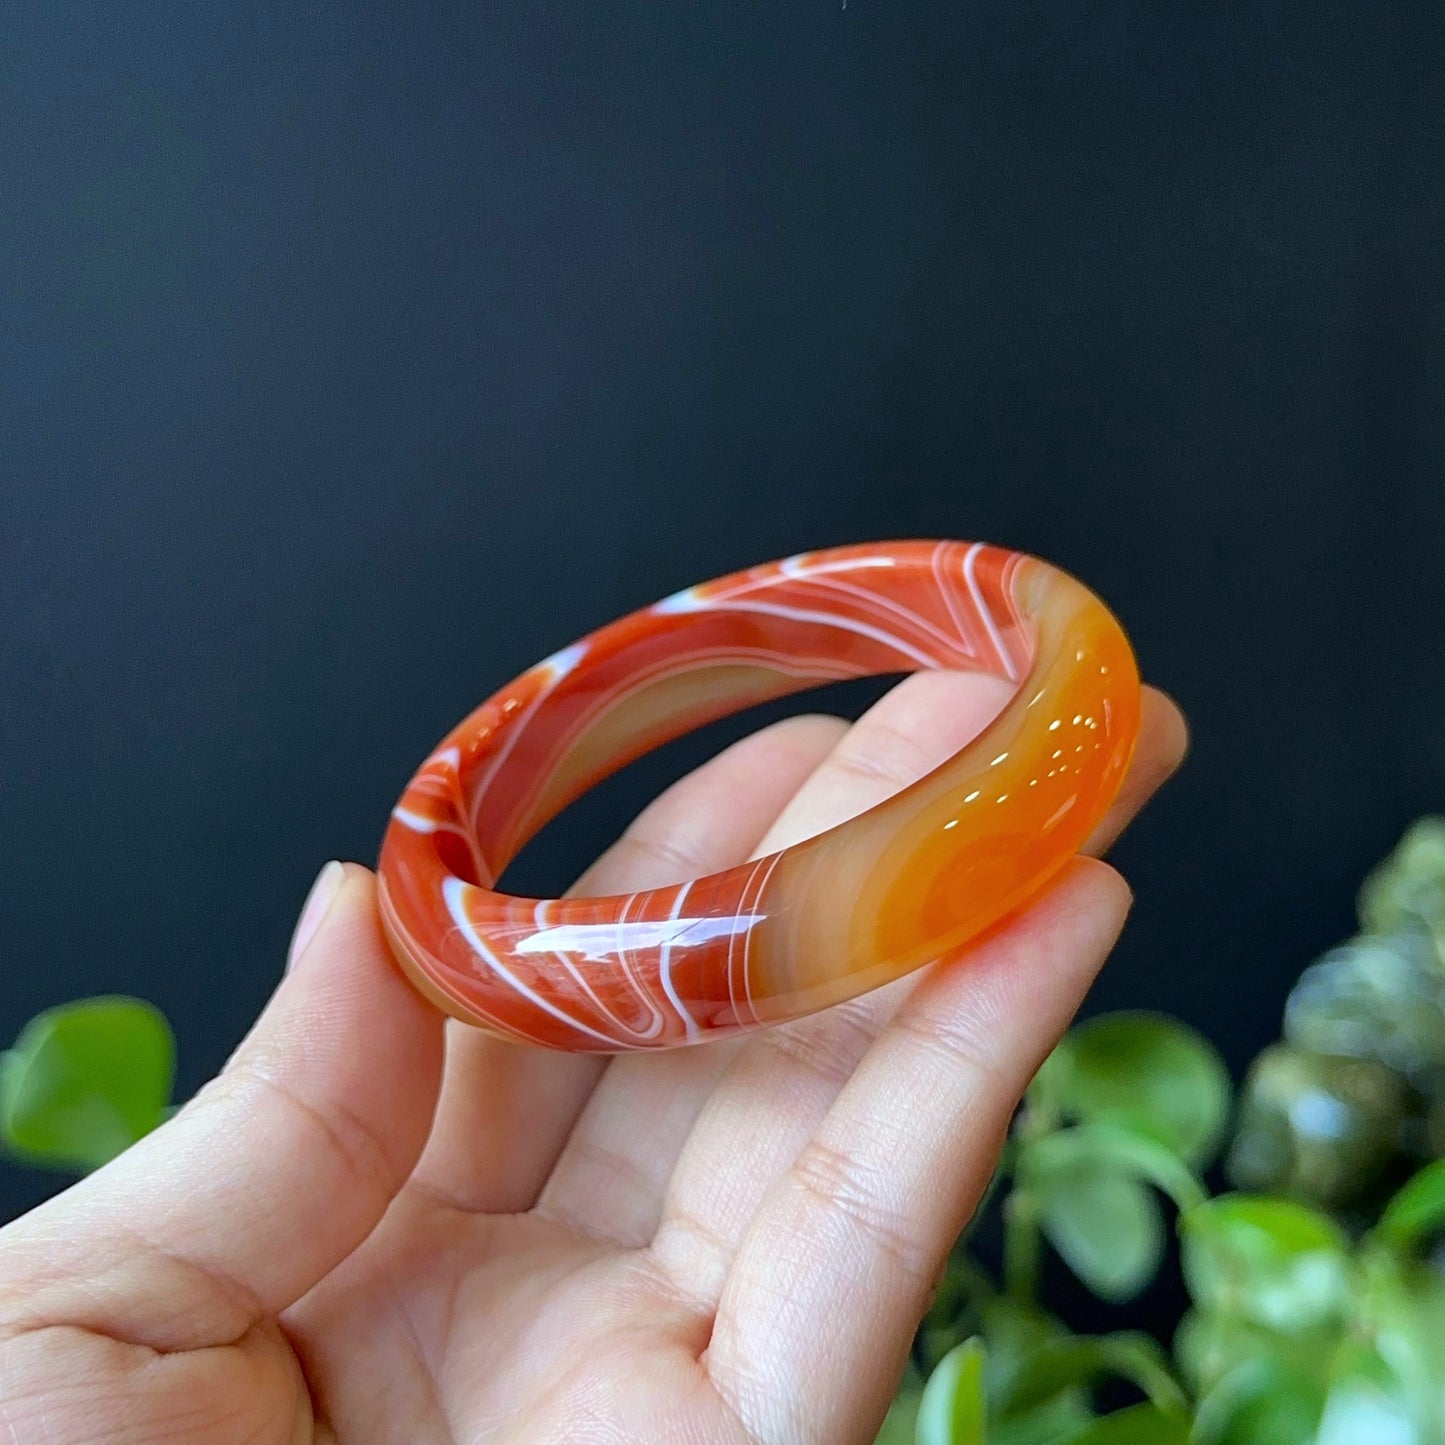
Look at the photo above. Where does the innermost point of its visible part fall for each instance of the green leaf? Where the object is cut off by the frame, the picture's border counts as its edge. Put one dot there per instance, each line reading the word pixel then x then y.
pixel 1138 1425
pixel 1014 1332
pixel 85 1081
pixel 1047 1425
pixel 1209 1346
pixel 1079 1361
pixel 1205 1347
pixel 1146 1072
pixel 952 1411
pixel 901 1422
pixel 1407 890
pixel 1261 1400
pixel 1404 1309
pixel 1107 1227
pixel 1366 1403
pixel 1253 1384
pixel 1272 1261
pixel 1317 1128
pixel 1417 1210
pixel 1373 998
pixel 1112 1148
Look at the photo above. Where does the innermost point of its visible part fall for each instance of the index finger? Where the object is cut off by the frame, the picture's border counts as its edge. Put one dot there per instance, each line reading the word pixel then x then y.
pixel 835 1271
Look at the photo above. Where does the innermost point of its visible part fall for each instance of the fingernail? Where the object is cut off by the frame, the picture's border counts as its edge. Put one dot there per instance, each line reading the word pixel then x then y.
pixel 318 900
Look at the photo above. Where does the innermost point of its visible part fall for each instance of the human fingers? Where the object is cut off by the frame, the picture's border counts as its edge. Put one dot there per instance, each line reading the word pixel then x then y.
pixel 612 1176
pixel 836 1269
pixel 269 1177
pixel 507 1110
pixel 784 1080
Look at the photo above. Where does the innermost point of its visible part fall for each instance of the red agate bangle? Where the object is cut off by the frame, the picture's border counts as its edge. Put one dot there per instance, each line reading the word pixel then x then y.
pixel 899 886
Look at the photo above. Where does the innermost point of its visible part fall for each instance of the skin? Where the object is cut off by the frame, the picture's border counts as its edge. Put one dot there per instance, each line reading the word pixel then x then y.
pixel 374 1227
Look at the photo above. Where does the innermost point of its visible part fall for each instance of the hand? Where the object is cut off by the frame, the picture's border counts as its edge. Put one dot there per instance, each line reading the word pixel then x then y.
pixel 372 1228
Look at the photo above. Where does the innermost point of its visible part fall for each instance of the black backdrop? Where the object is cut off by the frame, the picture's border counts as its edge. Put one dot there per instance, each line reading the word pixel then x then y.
pixel 354 356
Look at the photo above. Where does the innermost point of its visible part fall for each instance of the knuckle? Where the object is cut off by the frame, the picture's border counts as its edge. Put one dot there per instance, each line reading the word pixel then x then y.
pixel 829 1046
pixel 666 858
pixel 690 1256
pixel 842 1186
pixel 590 1172
pixel 963 1041
pixel 877 752
pixel 961 1045
pixel 345 1134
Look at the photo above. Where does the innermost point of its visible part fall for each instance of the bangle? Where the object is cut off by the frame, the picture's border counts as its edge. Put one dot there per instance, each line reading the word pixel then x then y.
pixel 901 885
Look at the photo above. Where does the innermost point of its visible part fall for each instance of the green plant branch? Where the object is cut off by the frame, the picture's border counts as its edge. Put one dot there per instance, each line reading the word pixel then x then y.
pixel 1022 1245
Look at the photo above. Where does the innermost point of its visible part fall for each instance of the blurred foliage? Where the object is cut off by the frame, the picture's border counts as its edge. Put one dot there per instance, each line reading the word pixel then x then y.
pixel 85 1081
pixel 1317 1313
pixel 1317 1307
pixel 1353 1097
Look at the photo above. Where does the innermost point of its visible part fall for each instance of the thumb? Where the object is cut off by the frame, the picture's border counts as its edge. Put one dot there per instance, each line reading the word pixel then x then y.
pixel 270 1176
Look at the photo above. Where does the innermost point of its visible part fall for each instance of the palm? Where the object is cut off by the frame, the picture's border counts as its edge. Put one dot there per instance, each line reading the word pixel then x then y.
pixel 477 1322
pixel 717 1244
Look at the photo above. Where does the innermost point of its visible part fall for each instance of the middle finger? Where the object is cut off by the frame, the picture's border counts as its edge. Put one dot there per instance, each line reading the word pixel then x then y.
pixel 784 1080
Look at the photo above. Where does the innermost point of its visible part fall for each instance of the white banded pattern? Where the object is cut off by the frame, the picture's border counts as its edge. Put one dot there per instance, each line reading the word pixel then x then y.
pixel 763 941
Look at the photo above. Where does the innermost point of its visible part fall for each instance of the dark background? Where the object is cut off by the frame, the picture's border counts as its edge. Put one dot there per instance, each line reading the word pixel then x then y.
pixel 353 359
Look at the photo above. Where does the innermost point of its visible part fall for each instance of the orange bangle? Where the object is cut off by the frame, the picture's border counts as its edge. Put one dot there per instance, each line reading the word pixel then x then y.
pixel 899 886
